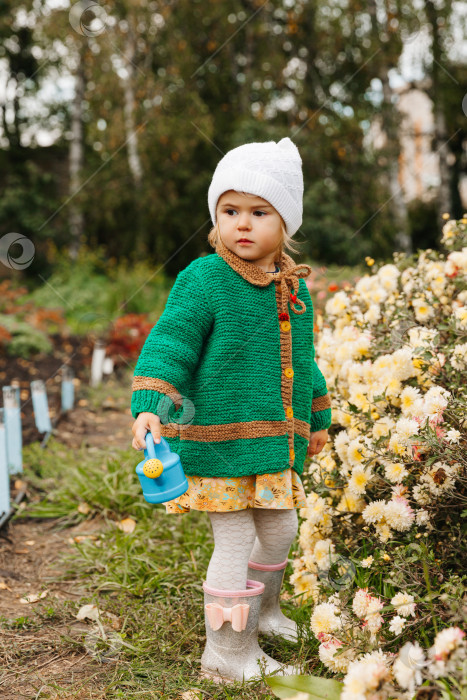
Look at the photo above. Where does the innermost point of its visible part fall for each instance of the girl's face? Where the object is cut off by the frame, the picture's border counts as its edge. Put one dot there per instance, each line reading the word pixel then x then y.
pixel 253 218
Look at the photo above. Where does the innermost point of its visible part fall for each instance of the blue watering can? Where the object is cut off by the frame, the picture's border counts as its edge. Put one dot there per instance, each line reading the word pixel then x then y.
pixel 160 473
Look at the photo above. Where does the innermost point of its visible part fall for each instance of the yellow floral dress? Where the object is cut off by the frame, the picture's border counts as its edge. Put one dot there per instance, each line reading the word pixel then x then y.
pixel 281 490
pixel 219 494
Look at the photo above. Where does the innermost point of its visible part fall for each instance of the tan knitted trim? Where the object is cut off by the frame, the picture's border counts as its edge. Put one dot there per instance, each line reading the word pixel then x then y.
pixel 320 403
pixel 233 431
pixel 152 384
pixel 249 430
pixel 286 361
pixel 302 428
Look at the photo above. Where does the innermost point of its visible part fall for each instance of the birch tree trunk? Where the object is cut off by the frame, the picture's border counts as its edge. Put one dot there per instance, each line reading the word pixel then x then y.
pixel 76 219
pixel 134 161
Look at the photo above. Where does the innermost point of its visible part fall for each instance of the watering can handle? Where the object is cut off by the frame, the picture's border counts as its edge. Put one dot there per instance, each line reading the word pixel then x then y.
pixel 150 447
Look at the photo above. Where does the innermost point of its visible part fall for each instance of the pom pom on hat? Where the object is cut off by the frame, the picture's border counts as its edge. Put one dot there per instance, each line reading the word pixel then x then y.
pixel 266 169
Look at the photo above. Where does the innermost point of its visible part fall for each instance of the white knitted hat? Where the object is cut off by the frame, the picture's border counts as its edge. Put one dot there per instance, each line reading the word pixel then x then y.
pixel 269 170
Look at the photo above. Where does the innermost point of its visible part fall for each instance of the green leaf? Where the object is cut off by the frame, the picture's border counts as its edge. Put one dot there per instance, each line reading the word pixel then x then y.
pixel 316 687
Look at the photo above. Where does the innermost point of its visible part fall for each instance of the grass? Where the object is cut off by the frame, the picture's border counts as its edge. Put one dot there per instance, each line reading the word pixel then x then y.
pixel 150 579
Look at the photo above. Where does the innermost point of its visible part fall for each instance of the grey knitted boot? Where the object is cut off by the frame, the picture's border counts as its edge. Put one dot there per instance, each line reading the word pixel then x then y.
pixel 232 651
pixel 271 619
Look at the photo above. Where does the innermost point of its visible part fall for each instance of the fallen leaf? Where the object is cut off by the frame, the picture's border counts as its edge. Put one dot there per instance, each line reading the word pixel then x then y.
pixel 84 508
pixel 82 538
pixel 4 587
pixel 88 612
pixel 30 542
pixel 21 551
pixel 192 695
pixel 116 622
pixel 33 597
pixel 19 484
pixel 127 525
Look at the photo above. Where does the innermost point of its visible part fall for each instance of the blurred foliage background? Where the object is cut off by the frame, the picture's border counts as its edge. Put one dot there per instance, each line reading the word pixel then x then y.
pixel 113 116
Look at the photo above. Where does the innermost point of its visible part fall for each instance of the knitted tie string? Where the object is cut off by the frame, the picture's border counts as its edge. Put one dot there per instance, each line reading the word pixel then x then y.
pixel 289 280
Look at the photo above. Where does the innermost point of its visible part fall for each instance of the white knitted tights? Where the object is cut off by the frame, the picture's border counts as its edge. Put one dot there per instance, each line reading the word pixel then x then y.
pixel 261 534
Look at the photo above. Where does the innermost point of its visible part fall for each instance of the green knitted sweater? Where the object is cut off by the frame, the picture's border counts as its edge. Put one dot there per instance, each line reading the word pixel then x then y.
pixel 230 370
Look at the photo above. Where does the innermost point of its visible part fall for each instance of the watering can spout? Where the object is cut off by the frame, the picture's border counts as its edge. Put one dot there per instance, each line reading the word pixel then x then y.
pixel 160 473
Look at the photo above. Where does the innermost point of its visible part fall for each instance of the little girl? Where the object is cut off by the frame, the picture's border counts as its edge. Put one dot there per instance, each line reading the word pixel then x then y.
pixel 228 377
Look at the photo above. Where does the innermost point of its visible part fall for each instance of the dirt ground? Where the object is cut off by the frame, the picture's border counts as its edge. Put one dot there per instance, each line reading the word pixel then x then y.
pixel 40 649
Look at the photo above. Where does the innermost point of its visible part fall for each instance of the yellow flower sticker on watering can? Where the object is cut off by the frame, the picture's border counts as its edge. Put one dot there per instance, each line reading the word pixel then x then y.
pixel 160 474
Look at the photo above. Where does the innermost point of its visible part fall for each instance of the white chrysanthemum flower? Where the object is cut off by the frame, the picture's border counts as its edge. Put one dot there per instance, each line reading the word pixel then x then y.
pixel 305 584
pixel 374 512
pixel 373 314
pixel 374 605
pixel 423 310
pixel 356 451
pixel 460 314
pixel 337 304
pixel 453 435
pixel 359 480
pixel 398 514
pixel 450 230
pixel 382 427
pixel 408 397
pixel 448 651
pixel 403 602
pixel 397 624
pixel 403 363
pixel 422 517
pixel 324 618
pixel 366 563
pixel 458 358
pixel 376 655
pixel 407 667
pixel 374 622
pixel 419 336
pixel 435 400
pixel 408 274
pixel 358 397
pixel 363 679
pixel 397 445
pixel 388 276
pixel 383 532
pixel 350 503
pixel 339 663
pixel 323 553
pixel 407 427
pixel 395 471
pixel 360 602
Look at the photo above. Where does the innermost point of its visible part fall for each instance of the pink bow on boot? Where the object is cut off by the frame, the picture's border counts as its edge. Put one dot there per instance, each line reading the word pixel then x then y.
pixel 237 616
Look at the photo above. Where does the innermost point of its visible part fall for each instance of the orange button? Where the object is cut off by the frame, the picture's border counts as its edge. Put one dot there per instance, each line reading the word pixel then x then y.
pixel 288 372
pixel 289 412
pixel 285 326
pixel 292 454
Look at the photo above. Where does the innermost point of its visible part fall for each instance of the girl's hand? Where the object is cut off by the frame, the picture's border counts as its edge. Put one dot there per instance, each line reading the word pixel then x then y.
pixel 317 442
pixel 144 423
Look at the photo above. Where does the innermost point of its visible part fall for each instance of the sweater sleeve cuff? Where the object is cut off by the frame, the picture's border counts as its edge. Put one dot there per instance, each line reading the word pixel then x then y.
pixel 149 401
pixel 321 415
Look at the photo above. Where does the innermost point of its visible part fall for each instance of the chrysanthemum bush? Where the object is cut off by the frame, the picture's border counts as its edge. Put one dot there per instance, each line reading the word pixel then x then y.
pixel 382 541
